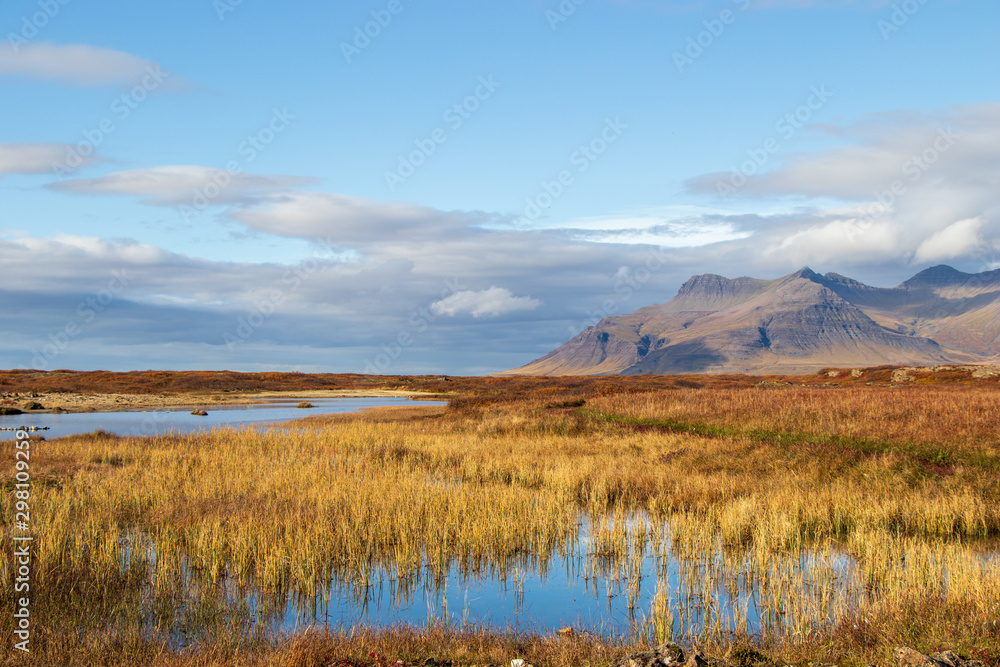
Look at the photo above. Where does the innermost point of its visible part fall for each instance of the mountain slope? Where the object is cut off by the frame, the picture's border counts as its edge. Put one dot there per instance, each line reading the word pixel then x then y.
pixel 798 323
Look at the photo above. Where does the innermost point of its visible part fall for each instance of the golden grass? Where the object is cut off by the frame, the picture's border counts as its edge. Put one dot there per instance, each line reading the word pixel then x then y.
pixel 957 420
pixel 824 508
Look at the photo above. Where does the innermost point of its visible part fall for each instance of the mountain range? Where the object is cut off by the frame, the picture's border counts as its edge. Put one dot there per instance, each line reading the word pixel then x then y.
pixel 796 324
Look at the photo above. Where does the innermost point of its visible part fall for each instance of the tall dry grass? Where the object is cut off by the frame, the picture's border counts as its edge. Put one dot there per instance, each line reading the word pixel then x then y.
pixel 778 518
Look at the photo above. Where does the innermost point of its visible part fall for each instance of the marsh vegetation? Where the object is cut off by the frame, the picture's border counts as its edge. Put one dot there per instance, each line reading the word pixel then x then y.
pixel 812 523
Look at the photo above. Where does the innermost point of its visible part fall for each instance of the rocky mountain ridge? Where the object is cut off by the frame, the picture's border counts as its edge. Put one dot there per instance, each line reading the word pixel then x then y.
pixel 794 324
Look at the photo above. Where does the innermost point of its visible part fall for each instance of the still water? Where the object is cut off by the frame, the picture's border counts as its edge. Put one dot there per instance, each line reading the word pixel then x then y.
pixel 648 591
pixel 147 423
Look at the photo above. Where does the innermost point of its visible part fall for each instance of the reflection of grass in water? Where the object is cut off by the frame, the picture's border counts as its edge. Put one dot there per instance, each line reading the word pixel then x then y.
pixel 242 521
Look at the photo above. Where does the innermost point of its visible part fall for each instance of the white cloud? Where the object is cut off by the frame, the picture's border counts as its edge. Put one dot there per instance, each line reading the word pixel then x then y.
pixel 953 147
pixel 25 158
pixel 667 227
pixel 492 302
pixel 847 239
pixel 81 65
pixel 347 220
pixel 956 239
pixel 65 247
pixel 177 185
pixel 928 169
pixel 684 234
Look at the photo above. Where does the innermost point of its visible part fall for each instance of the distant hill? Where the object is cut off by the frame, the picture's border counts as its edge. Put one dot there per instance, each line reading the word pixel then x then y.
pixel 796 324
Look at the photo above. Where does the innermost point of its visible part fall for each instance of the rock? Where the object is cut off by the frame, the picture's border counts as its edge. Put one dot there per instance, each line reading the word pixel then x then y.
pixel 199 413
pixel 10 411
pixel 670 654
pixel 856 373
pixel 902 375
pixel 702 660
pixel 645 659
pixel 520 662
pixel 947 658
pixel 664 655
pixel 744 656
pixel 33 405
pixel 907 657
pixel 304 405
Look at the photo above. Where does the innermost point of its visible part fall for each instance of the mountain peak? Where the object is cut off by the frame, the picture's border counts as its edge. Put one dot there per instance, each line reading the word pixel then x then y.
pixel 804 272
pixel 800 322
pixel 937 276
pixel 709 288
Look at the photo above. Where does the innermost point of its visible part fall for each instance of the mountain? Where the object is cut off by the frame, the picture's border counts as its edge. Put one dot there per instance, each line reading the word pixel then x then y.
pixel 796 324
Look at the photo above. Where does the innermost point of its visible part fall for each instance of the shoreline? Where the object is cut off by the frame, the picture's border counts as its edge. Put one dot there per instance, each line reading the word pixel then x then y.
pixel 76 402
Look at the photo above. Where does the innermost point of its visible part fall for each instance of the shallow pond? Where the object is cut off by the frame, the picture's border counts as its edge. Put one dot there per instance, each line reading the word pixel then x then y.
pixel 147 423
pixel 654 587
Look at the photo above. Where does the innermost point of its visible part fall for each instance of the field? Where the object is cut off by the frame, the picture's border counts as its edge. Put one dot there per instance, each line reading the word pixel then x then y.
pixel 184 550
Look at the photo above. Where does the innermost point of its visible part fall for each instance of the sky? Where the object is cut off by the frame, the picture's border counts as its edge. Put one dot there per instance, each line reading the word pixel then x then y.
pixel 458 187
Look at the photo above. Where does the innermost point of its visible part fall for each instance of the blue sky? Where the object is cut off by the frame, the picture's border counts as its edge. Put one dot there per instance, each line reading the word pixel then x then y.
pixel 248 185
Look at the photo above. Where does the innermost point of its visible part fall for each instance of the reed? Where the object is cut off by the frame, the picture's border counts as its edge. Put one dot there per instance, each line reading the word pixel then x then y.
pixel 812 523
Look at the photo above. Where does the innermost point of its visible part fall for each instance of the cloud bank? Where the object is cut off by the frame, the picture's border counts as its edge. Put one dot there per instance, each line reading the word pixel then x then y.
pixel 891 194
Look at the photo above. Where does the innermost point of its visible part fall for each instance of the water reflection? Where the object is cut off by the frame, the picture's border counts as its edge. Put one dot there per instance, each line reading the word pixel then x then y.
pixel 652 586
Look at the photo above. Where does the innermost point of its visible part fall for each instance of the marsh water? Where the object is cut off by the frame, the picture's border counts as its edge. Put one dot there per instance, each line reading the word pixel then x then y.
pixel 650 592
pixel 180 420
pixel 656 581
